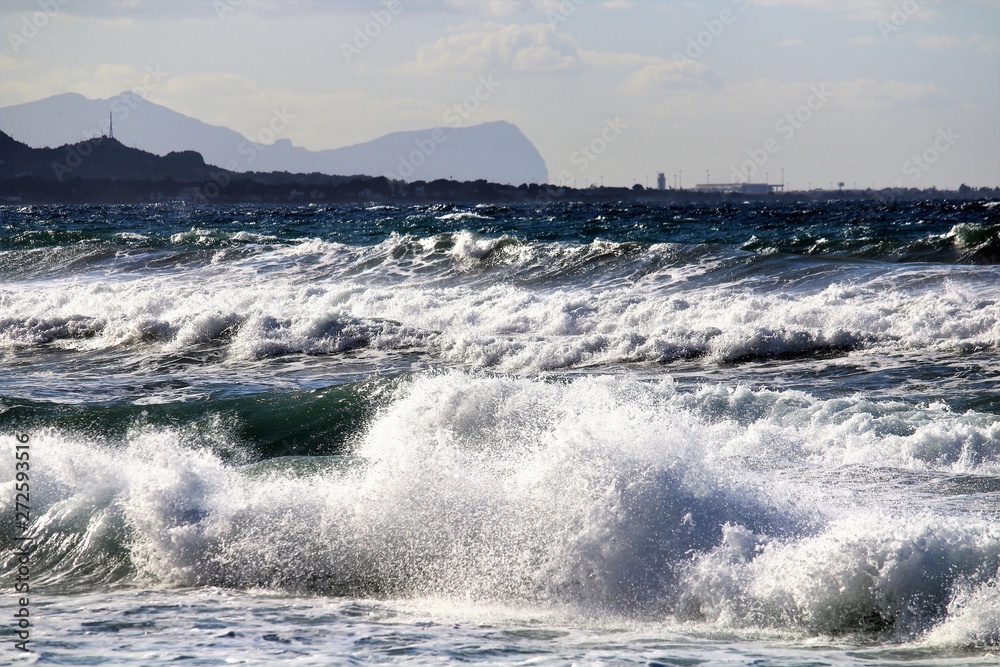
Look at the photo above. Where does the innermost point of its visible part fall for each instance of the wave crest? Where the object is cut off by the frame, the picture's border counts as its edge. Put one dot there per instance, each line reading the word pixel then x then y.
pixel 605 495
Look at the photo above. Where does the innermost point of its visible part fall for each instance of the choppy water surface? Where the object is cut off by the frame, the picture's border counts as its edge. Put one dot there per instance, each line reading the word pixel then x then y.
pixel 662 435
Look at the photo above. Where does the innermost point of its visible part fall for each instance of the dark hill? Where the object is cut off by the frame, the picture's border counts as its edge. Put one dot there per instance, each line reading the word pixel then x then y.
pixel 103 157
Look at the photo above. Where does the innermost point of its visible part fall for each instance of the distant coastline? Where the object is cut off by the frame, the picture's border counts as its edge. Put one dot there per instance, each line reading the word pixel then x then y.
pixel 104 171
pixel 254 189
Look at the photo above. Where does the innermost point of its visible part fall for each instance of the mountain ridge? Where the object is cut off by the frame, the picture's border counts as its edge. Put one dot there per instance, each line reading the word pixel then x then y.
pixel 496 151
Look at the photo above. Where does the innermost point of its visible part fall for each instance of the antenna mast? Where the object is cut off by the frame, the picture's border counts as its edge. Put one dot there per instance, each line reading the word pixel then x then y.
pixel 111 121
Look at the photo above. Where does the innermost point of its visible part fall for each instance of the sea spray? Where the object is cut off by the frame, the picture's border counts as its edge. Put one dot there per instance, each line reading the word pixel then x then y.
pixel 604 494
pixel 564 432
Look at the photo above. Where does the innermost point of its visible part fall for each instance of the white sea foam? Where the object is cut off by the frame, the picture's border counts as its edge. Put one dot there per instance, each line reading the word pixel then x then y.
pixel 602 495
pixel 878 572
pixel 462 215
pixel 973 617
pixel 792 427
pixel 199 236
pixel 132 236
pixel 500 303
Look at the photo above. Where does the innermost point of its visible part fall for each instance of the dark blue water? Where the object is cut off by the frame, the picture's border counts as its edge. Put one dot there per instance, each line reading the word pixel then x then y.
pixel 933 231
pixel 761 431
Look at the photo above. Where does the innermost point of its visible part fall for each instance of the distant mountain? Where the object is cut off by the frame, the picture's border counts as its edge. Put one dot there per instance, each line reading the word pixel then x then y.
pixel 105 171
pixel 497 152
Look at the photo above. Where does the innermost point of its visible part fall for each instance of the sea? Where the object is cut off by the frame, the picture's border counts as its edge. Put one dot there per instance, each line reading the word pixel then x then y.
pixel 739 433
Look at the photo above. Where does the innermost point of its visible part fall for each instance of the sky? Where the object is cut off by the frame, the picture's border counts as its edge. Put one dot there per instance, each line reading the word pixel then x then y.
pixel 869 93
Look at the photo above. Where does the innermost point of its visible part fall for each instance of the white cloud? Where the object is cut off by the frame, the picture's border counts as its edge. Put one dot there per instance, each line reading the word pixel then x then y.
pixel 989 45
pixel 872 95
pixel 860 10
pixel 159 10
pixel 667 75
pixel 8 63
pixel 944 42
pixel 948 42
pixel 791 43
pixel 484 7
pixel 938 42
pixel 605 60
pixel 483 47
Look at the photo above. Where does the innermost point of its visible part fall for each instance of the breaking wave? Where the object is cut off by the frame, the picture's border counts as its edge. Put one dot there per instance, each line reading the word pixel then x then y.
pixel 507 304
pixel 600 494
